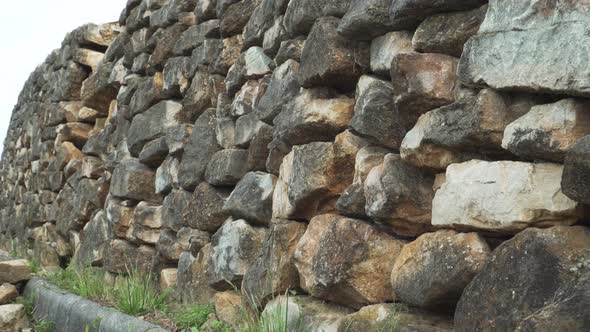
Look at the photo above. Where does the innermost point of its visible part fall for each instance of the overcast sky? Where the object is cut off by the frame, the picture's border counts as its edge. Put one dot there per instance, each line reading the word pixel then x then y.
pixel 30 30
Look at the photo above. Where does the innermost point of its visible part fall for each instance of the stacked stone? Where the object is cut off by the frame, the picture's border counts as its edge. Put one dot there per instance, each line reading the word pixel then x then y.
pixel 358 152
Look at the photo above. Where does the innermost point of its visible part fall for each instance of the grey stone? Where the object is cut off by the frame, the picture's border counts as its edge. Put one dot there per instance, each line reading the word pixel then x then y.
pixel 195 35
pixel 173 207
pixel 575 181
pixel 447 33
pixel 375 116
pixel 369 254
pixel 543 296
pixel 301 14
pixel 226 167
pixel 201 147
pixel 154 152
pixel 290 50
pixel 432 271
pixel 282 87
pixel 366 20
pixel 236 16
pixel 400 195
pixel 352 201
pixel 273 272
pixel 133 180
pixel 252 64
pixel 548 131
pixel 234 247
pixel 407 14
pixel 329 59
pixel 205 208
pixel 386 47
pixel 252 198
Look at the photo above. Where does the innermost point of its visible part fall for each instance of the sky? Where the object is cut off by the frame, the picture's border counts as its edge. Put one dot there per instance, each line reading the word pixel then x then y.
pixel 30 30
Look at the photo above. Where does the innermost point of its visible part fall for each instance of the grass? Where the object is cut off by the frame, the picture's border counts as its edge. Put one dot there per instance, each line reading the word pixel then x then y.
pixel 87 282
pixel 191 317
pixel 34 265
pixel 138 295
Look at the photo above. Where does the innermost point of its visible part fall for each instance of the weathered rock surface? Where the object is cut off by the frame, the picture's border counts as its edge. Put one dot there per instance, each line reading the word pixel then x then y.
pixel 252 198
pixel 375 116
pixel 540 282
pixel 13 318
pixel 471 128
pixel 133 180
pixel 273 272
pixel 201 147
pixel 205 208
pixel 407 14
pixel 365 20
pixel 400 195
pixel 14 271
pixel 422 82
pixel 547 132
pixel 352 201
pixel 346 261
pixel 503 197
pixel 432 271
pixel 447 33
pixel 8 293
pixel 234 247
pixel 386 47
pixel 575 180
pixel 379 317
pixel 527 27
pixel 329 59
pixel 306 313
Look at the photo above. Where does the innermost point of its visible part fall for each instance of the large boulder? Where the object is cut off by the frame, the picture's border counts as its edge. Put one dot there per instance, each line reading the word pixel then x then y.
pixel 407 14
pixel 471 128
pixel 13 271
pixel 503 196
pixel 513 40
pixel 352 201
pixel 133 180
pixel 252 198
pixel 547 132
pixel 375 116
pixel 201 147
pixel 447 33
pixel 329 59
pixel 400 195
pixel 301 14
pixel 153 124
pixel 366 20
pixel 576 172
pixel 386 47
pixel 204 210
pixel 13 318
pixel 536 281
pixel 234 248
pixel 273 272
pixel 432 271
pixel 313 175
pixel 282 87
pixel 346 261
pixel 313 115
pixel 192 283
pixel 422 82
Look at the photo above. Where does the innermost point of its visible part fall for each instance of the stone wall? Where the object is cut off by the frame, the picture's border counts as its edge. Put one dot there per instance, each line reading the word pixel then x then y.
pixel 354 152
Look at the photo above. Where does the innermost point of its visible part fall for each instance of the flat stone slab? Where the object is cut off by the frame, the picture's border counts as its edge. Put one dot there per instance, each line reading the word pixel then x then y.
pixel 69 312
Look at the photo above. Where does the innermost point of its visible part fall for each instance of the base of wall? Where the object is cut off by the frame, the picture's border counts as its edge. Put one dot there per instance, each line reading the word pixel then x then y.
pixel 70 313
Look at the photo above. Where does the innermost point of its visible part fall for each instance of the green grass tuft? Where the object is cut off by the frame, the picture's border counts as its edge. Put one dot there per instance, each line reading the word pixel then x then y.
pixel 192 316
pixel 88 282
pixel 138 295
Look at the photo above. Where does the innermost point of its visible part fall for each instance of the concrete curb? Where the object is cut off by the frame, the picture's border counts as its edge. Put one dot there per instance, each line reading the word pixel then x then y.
pixel 71 313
